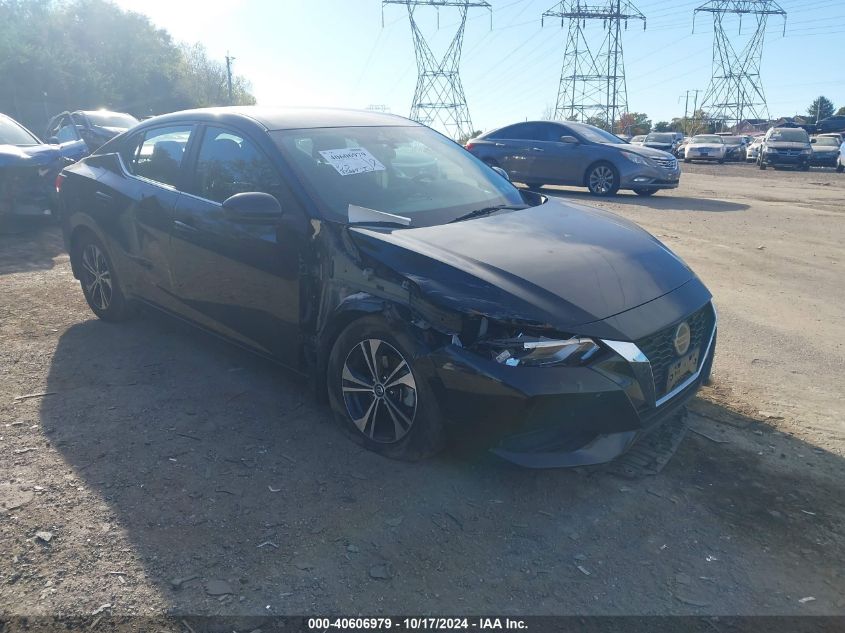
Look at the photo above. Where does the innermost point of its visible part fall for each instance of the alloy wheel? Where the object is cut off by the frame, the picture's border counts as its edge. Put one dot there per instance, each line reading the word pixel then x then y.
pixel 379 391
pixel 96 276
pixel 602 179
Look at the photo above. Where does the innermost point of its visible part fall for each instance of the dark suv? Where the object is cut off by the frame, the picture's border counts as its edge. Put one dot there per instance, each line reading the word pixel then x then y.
pixel 786 147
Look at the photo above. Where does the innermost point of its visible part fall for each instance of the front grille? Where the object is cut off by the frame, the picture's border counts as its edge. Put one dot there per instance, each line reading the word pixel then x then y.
pixel 668 163
pixel 660 350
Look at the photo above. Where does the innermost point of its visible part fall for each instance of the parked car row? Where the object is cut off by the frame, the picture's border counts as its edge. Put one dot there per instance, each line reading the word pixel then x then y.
pixel 29 166
pixel 421 291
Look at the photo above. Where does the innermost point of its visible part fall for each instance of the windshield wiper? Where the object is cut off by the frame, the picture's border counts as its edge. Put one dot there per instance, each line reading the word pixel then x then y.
pixel 485 211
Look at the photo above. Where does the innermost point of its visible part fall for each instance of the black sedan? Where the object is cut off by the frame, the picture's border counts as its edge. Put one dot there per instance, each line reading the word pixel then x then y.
pixel 825 151
pixel 576 154
pixel 416 286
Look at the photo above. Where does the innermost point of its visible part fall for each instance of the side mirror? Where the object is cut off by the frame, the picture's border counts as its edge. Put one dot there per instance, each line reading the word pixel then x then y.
pixel 501 172
pixel 253 206
pixel 53 141
pixel 569 139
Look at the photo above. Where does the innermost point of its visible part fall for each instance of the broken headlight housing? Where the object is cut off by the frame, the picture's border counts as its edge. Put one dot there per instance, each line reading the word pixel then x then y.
pixel 532 351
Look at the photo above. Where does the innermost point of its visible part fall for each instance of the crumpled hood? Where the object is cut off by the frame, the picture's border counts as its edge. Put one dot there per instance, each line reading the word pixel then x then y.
pixel 557 264
pixel 25 155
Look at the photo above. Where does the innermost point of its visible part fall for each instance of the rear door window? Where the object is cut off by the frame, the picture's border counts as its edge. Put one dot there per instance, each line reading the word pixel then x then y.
pixel 157 154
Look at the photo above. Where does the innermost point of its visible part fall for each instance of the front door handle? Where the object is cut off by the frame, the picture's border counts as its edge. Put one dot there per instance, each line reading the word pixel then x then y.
pixel 102 195
pixel 537 149
pixel 499 144
pixel 187 228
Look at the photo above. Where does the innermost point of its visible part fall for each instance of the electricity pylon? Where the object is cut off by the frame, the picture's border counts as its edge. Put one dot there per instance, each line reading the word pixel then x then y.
pixel 439 99
pixel 592 81
pixel 736 92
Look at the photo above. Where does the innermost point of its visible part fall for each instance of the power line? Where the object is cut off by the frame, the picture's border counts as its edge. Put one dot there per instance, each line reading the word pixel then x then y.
pixel 735 92
pixel 439 99
pixel 592 80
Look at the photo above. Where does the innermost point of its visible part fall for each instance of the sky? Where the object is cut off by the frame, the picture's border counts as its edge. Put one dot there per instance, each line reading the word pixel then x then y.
pixel 336 53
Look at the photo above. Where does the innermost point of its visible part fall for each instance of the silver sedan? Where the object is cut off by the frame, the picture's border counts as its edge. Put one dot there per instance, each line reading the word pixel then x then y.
pixel 705 147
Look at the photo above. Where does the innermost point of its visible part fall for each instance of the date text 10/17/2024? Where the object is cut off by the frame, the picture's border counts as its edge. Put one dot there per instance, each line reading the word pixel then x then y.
pixel 418 624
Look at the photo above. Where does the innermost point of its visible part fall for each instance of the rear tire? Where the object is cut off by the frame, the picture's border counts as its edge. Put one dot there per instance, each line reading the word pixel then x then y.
pixel 100 285
pixel 687 160
pixel 645 193
pixel 602 179
pixel 534 185
pixel 375 394
pixel 761 164
pixel 839 167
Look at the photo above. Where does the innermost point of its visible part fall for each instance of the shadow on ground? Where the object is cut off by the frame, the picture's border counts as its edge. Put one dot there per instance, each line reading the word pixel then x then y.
pixel 219 466
pixel 33 246
pixel 657 201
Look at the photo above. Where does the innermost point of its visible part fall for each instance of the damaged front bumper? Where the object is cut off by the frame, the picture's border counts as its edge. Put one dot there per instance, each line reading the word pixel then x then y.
pixel 27 191
pixel 546 417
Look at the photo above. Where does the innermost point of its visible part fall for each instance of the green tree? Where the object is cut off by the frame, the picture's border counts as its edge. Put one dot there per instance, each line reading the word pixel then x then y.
pixel 821 108
pixel 634 123
pixel 87 54
pixel 841 111
pixel 662 126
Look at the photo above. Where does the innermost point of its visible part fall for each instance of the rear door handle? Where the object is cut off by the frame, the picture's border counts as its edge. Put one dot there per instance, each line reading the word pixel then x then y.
pixel 102 195
pixel 499 144
pixel 187 228
pixel 537 149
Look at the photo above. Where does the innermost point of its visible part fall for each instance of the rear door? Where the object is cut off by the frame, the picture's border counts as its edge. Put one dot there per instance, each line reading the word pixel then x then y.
pixel 240 278
pixel 141 192
pixel 512 149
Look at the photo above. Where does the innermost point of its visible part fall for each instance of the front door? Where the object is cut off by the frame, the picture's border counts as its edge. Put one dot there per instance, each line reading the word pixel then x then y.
pixel 554 161
pixel 239 278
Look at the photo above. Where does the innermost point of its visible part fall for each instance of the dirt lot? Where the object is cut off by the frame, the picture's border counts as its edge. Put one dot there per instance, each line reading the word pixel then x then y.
pixel 170 472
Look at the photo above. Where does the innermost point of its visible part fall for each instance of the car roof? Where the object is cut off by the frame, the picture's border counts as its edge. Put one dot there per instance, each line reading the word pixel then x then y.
pixel 272 118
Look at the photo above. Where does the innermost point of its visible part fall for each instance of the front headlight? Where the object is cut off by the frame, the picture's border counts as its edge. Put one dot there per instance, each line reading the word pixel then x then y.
pixel 539 351
pixel 636 158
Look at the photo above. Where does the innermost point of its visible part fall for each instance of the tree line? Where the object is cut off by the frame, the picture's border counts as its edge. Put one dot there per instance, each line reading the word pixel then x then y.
pixel 90 54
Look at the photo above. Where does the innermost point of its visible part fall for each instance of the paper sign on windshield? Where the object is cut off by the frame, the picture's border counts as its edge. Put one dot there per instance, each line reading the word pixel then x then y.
pixel 351 160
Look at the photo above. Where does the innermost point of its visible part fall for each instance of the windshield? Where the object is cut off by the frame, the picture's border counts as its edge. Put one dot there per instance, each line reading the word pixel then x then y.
pixel 638 139
pixel 112 119
pixel 707 138
pixel 12 133
pixel 660 138
pixel 597 135
pixel 733 140
pixel 828 141
pixel 789 135
pixel 406 171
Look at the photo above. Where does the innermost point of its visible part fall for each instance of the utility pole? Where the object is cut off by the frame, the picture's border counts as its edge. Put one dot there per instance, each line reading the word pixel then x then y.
pixel 229 60
pixel 439 99
pixel 592 80
pixel 686 109
pixel 735 92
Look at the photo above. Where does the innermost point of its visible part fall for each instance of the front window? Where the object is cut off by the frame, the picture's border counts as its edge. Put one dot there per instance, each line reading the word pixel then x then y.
pixel 707 138
pixel 158 153
pixel 788 135
pixel 598 135
pixel 11 133
pixel 412 172
pixel 112 119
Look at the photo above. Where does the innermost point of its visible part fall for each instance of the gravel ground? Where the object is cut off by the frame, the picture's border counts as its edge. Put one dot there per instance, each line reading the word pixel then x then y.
pixel 167 472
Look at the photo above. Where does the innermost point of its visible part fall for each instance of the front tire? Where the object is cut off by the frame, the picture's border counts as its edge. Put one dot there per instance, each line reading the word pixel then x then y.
pixel 761 164
pixel 100 285
pixel 603 179
pixel 839 167
pixel 534 185
pixel 375 394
